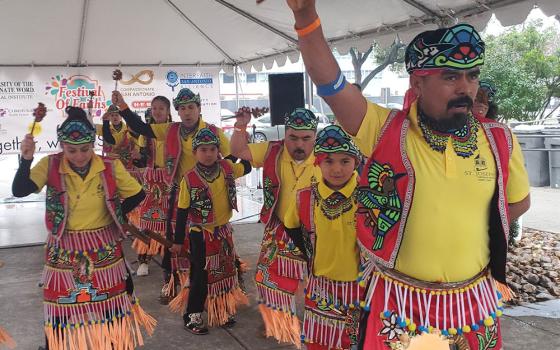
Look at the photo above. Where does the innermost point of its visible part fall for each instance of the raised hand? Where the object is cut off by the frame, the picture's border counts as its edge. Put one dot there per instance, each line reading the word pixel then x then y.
pixel 243 116
pixel 28 147
pixel 117 99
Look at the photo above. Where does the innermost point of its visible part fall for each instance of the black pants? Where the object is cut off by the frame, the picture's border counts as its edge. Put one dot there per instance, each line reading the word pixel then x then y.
pixel 198 275
pixel 166 261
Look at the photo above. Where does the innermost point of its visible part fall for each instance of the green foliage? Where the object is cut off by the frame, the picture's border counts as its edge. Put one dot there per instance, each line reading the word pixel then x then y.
pixel 524 65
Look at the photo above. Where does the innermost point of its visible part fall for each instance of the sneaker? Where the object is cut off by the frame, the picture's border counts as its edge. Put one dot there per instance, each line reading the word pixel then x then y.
pixel 195 325
pixel 230 322
pixel 143 270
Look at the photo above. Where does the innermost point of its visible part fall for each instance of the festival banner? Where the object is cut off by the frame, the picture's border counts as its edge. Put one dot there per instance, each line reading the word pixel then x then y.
pixel 21 89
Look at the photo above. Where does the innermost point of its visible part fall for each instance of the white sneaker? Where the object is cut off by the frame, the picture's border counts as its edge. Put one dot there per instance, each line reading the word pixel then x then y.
pixel 143 270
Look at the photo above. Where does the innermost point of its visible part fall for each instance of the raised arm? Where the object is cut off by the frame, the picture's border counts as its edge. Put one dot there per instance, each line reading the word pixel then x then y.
pixel 239 141
pixel 349 105
pixel 132 119
pixel 23 185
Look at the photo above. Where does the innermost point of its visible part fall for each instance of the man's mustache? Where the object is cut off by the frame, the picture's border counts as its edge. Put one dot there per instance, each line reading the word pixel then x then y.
pixel 463 101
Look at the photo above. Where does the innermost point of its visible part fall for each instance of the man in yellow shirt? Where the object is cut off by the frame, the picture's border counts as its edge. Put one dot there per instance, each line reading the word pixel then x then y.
pixel 437 194
pixel 207 198
pixel 321 222
pixel 287 167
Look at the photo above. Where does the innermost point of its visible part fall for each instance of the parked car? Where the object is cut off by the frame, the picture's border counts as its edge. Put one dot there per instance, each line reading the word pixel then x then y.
pixel 261 129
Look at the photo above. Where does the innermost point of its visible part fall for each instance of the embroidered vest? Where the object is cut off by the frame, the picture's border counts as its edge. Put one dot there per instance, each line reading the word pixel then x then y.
pixel 56 212
pixel 201 210
pixel 271 180
pixel 386 192
pixel 173 148
pixel 305 200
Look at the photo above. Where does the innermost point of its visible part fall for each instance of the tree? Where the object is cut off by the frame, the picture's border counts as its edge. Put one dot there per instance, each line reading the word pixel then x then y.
pixel 524 65
pixel 392 56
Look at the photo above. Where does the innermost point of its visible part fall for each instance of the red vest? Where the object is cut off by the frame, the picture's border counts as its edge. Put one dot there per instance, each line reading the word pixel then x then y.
pixel 271 180
pixel 201 210
pixel 173 147
pixel 56 212
pixel 386 191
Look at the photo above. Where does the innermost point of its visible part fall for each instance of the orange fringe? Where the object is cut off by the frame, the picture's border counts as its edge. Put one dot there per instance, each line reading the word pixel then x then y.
pixel 179 303
pixel 282 326
pixel 222 306
pixel 507 293
pixel 155 248
pixel 5 339
pixel 134 216
pixel 121 334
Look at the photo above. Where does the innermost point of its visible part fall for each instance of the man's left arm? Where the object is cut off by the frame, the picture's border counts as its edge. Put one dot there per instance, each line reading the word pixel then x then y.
pixel 518 183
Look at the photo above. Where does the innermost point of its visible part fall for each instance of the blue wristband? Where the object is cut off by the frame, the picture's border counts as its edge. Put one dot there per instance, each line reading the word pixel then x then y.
pixel 332 88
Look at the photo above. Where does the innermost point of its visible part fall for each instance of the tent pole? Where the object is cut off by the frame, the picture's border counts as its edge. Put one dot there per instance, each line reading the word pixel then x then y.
pixel 236 77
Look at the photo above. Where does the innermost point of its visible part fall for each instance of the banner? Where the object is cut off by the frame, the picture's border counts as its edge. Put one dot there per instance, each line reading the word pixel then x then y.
pixel 21 89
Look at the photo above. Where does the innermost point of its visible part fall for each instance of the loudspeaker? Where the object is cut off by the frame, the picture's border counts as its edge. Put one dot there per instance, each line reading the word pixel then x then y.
pixel 286 94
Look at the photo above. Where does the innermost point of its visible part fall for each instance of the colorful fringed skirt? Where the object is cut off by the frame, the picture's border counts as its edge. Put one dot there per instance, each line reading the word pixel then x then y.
pixel 280 269
pixel 465 312
pixel 153 211
pixel 332 313
pixel 224 292
pixel 89 301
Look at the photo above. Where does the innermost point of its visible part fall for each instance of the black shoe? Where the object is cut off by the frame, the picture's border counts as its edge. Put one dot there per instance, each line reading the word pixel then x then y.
pixel 195 325
pixel 230 322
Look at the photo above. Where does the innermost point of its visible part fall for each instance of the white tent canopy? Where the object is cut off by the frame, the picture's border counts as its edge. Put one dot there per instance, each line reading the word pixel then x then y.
pixel 219 32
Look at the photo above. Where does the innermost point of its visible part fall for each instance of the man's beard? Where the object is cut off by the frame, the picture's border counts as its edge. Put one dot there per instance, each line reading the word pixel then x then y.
pixel 453 123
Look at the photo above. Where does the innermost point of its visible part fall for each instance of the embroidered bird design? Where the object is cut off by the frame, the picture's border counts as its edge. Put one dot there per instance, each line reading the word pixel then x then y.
pixel 380 201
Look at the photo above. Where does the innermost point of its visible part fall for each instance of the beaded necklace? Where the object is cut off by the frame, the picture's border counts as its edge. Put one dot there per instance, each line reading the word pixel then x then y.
pixel 208 173
pixel 463 139
pixel 334 205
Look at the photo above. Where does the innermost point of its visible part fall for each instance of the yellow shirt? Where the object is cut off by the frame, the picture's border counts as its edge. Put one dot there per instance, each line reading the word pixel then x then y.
pixel 336 253
pixel 293 176
pixel 86 197
pixel 187 160
pixel 446 236
pixel 220 199
pixel 118 135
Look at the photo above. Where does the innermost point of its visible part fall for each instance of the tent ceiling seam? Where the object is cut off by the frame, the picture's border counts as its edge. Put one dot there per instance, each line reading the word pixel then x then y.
pixel 257 21
pixel 201 32
pixel 82 32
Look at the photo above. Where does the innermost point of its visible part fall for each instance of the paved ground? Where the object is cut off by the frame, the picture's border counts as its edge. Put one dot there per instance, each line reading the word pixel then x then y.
pixel 21 310
pixel 545 209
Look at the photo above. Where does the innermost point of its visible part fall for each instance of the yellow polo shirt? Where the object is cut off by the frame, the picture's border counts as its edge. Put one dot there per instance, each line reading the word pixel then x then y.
pixel 446 236
pixel 336 253
pixel 220 199
pixel 86 197
pixel 293 175
pixel 187 160
pixel 118 135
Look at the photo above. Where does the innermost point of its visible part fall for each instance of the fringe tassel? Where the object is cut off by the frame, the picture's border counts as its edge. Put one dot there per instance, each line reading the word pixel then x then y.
pixel 291 268
pixel 282 326
pixel 169 288
pixel 222 306
pixel 326 331
pixel 179 303
pixel 121 334
pixel 505 291
pixel 5 339
pixel 134 216
pixel 140 247
pixel 155 248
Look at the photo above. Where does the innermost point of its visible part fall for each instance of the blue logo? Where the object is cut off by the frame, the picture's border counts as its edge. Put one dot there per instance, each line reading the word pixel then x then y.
pixel 172 79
